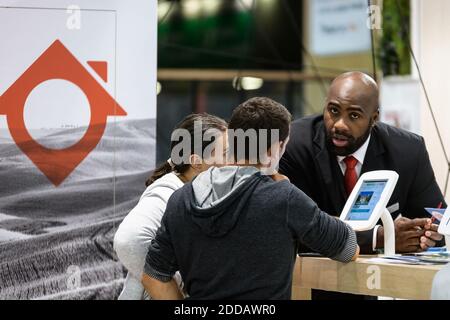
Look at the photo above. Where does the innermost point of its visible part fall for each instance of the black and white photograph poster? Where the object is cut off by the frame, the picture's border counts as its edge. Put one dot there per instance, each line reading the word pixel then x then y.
pixel 77 141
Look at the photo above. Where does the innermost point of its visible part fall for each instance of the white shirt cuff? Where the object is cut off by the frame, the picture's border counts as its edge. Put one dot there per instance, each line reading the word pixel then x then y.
pixel 375 233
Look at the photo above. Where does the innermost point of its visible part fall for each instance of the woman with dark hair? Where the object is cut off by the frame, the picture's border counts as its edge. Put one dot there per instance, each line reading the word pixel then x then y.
pixel 137 230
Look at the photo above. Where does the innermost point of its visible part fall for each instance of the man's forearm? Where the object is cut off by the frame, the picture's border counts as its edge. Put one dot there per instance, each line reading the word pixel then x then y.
pixel 159 290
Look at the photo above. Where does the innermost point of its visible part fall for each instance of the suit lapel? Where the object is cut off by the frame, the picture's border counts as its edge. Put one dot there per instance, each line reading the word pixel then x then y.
pixel 334 190
pixel 374 159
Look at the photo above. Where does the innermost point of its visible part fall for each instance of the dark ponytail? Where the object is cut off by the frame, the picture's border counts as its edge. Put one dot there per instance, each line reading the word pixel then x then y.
pixel 162 170
pixel 208 122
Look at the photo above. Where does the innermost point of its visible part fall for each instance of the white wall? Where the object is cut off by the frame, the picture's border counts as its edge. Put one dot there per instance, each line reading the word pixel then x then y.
pixel 433 39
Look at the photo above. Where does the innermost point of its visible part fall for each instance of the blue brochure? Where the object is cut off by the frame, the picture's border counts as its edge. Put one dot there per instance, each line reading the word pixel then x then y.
pixel 436 213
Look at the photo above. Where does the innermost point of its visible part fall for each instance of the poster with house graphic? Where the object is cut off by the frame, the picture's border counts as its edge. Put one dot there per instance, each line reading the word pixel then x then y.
pixel 77 140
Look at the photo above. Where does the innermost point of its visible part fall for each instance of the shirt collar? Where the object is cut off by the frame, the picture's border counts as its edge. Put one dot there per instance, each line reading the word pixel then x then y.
pixel 359 154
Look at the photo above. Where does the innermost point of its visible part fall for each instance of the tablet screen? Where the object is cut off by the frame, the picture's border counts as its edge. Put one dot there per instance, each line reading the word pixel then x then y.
pixel 368 196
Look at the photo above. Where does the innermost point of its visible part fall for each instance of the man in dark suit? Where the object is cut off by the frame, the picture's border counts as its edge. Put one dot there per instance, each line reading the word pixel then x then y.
pixel 326 154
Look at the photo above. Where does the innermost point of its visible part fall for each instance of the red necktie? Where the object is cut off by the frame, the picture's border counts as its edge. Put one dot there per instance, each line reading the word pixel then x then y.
pixel 350 177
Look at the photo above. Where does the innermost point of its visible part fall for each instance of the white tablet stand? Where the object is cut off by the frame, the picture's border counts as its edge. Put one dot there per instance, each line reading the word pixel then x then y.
pixel 389 233
pixel 378 187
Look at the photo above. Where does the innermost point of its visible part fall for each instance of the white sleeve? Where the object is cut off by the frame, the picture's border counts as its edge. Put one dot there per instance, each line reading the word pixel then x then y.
pixel 440 289
pixel 137 230
pixel 375 237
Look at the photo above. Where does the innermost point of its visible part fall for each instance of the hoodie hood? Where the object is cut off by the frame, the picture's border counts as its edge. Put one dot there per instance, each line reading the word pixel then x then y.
pixel 219 196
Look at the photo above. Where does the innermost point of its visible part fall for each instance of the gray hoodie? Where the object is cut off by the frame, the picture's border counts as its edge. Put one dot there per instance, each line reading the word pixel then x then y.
pixel 233 234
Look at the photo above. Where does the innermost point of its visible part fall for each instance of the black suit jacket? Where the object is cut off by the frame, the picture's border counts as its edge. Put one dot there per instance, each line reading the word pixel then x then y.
pixel 309 166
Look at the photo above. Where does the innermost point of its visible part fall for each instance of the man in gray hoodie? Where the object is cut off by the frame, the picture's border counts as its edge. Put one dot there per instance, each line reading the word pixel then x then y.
pixel 233 232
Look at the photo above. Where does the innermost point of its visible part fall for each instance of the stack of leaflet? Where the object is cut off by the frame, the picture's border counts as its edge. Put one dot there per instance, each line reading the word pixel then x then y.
pixel 434 256
pixel 402 259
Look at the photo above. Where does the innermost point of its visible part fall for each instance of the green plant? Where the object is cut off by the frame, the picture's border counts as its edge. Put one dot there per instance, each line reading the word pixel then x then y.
pixel 393 53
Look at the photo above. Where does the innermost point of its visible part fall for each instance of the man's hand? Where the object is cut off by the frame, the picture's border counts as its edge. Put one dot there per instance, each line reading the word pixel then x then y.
pixel 431 236
pixel 159 290
pixel 408 234
pixel 356 255
pixel 279 177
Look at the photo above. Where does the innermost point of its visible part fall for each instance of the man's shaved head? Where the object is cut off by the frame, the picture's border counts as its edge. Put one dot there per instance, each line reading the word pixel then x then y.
pixel 351 111
pixel 358 85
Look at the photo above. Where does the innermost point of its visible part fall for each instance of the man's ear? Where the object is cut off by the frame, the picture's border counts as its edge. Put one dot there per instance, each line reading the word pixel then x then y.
pixel 285 142
pixel 278 146
pixel 376 117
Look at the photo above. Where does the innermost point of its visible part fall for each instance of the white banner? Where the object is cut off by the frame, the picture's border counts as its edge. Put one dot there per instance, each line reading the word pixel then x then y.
pixel 77 140
pixel 339 26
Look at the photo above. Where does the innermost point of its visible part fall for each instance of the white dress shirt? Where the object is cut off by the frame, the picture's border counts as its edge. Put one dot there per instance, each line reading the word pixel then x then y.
pixel 359 155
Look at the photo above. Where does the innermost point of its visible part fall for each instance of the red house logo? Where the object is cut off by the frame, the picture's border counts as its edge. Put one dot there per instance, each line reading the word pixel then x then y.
pixel 57 62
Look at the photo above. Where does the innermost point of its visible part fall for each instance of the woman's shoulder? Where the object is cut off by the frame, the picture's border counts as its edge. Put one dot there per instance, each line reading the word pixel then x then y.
pixel 167 183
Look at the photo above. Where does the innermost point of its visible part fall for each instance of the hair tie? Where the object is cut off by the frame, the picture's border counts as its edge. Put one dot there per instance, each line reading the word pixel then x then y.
pixel 171 164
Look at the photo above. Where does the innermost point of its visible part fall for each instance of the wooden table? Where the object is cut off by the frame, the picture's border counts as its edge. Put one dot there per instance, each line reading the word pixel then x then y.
pixel 362 277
